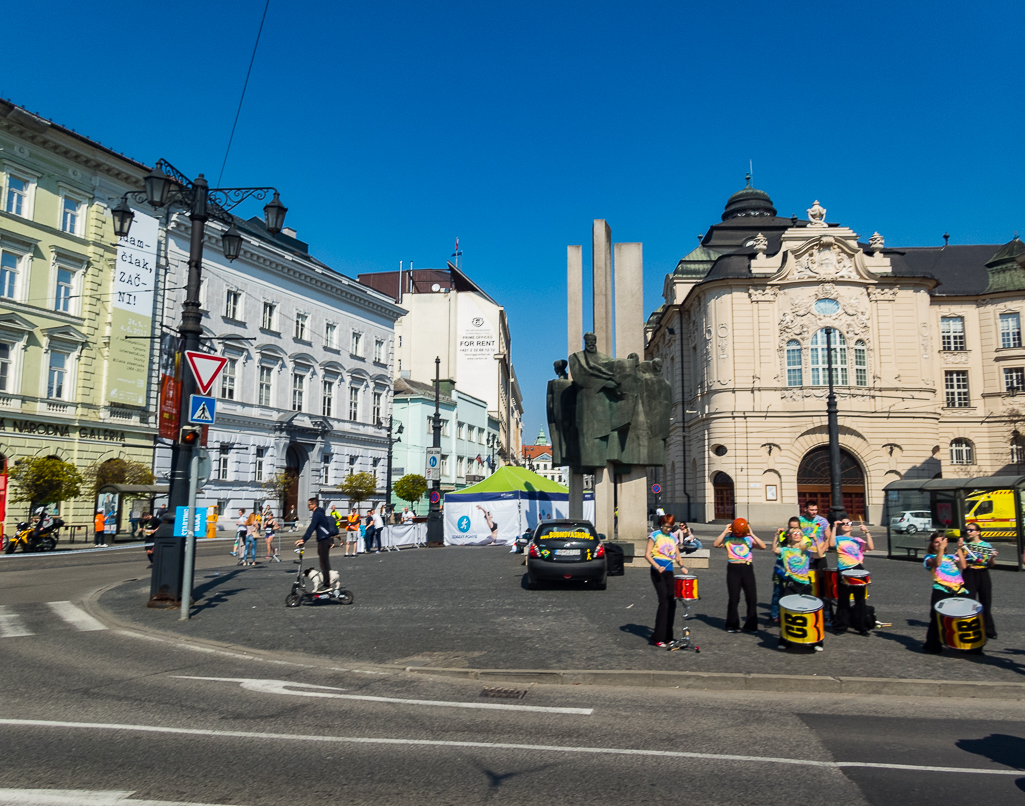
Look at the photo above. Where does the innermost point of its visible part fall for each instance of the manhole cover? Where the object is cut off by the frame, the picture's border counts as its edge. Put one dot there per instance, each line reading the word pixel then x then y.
pixel 504 693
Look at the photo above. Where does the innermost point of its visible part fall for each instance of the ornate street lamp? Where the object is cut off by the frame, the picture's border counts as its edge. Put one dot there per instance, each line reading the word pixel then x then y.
pixel 231 243
pixel 274 214
pixel 123 216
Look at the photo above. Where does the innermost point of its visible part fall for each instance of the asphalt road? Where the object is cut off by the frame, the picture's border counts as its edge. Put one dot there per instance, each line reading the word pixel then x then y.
pixel 89 709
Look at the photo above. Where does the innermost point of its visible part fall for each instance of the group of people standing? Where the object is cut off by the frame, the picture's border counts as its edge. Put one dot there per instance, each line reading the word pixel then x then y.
pixel 247 530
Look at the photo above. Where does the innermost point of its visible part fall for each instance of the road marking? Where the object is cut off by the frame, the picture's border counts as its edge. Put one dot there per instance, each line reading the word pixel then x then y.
pixel 278 687
pixel 533 748
pixel 75 616
pixel 79 797
pixel 11 625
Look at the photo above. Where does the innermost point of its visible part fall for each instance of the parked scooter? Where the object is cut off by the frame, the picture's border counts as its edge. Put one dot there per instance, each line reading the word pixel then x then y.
pixel 33 538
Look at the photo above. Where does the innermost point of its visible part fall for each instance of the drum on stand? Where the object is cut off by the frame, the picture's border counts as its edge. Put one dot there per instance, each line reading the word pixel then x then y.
pixel 960 623
pixel 801 619
pixel 686 591
pixel 855 577
pixel 824 583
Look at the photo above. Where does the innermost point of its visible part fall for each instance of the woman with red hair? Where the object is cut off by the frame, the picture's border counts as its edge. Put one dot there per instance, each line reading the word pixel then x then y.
pixel 739 540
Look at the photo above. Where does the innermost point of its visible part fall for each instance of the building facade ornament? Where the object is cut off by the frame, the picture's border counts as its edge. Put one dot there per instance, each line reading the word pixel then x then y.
pixel 816 215
pixel 760 243
pixel 767 294
pixel 875 243
pixel 880 294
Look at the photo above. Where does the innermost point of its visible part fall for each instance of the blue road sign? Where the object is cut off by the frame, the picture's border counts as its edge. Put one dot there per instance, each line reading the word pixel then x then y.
pixel 202 410
pixel 179 521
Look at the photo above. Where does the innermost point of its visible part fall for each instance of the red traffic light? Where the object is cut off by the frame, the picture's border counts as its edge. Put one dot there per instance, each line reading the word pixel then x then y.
pixel 190 437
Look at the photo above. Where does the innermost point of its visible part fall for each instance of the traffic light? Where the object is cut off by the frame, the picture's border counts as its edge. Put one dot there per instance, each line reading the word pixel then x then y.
pixel 190 436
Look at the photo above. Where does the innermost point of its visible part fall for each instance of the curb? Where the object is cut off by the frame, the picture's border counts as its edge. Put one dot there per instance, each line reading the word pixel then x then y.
pixel 694 681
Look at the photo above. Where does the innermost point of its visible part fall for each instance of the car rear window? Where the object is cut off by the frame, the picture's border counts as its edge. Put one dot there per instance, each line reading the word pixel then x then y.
pixel 568 531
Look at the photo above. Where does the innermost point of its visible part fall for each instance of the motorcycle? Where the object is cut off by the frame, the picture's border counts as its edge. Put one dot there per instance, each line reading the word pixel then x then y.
pixel 31 540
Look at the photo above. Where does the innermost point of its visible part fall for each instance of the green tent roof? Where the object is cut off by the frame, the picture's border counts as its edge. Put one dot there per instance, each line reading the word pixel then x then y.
pixel 510 478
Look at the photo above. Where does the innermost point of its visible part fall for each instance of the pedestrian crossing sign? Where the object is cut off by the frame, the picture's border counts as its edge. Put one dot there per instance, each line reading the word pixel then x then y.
pixel 202 410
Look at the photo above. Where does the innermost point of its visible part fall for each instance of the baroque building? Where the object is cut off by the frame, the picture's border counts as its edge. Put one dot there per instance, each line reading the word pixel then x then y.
pixel 926 349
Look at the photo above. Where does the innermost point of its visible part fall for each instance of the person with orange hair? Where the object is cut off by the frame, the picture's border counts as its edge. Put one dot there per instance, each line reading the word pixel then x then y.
pixel 738 539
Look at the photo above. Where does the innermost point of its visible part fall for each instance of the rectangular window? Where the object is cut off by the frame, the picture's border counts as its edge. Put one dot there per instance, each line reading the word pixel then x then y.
pixel 71 212
pixel 795 373
pixel 353 404
pixel 266 374
pixel 1014 379
pixel 8 274
pixel 377 408
pixel 860 364
pixel 444 465
pixel 325 469
pixel 378 351
pixel 261 454
pixel 57 377
pixel 1010 330
pixel 327 399
pixel 952 333
pixel 269 309
pixel 16 202
pixel 331 336
pixel 356 345
pixel 956 385
pixel 460 463
pixel 444 428
pixel 228 379
pixel 300 326
pixel 231 300
pixel 222 463
pixel 460 430
pixel 298 388
pixel 5 366
pixel 63 298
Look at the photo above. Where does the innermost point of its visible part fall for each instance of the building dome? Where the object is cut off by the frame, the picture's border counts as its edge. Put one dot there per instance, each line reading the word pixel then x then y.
pixel 748 201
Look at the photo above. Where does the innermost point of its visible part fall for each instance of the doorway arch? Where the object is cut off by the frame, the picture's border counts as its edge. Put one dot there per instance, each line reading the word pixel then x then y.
pixel 813 481
pixel 722 495
pixel 295 460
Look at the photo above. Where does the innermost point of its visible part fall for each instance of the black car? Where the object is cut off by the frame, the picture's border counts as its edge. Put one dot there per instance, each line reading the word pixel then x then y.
pixel 566 550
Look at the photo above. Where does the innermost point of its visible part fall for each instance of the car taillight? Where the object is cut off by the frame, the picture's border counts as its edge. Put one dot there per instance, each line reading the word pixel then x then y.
pixel 533 551
pixel 600 552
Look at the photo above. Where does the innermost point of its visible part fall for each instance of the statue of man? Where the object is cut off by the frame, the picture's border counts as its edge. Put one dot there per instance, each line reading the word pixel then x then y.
pixel 561 405
pixel 597 389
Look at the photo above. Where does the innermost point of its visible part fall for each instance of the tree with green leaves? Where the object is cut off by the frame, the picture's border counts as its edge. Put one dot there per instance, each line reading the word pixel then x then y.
pixel 116 471
pixel 44 480
pixel 278 486
pixel 410 487
pixel 358 487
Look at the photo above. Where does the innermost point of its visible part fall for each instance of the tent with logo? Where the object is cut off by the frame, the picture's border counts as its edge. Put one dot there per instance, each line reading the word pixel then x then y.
pixel 514 498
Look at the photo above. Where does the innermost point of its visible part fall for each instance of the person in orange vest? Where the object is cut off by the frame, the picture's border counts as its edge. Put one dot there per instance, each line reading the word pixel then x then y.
pixel 351 531
pixel 100 525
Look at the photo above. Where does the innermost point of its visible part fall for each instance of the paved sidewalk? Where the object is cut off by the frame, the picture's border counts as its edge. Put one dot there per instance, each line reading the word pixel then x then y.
pixel 468 607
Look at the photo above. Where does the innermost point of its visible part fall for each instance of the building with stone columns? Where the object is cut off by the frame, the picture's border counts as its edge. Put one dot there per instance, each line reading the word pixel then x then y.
pixel 927 350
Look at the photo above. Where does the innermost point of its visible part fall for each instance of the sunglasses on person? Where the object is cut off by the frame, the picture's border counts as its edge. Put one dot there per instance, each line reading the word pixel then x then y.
pixel 973 529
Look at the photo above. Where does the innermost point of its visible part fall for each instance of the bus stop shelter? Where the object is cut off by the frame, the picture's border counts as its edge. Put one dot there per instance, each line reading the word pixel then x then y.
pixel 994 502
pixel 111 499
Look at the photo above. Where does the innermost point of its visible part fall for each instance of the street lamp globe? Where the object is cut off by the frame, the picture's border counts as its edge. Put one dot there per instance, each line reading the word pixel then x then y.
pixel 274 215
pixel 231 243
pixel 123 217
pixel 158 187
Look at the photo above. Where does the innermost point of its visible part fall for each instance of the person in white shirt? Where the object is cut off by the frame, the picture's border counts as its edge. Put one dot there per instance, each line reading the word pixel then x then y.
pixel 407 516
pixel 378 528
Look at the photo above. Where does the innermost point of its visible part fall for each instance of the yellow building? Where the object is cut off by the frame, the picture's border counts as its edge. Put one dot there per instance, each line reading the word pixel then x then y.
pixel 71 385
pixel 928 360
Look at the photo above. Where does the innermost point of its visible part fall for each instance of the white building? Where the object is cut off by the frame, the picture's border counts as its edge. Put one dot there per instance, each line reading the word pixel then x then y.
pixel 307 387
pixel 450 317
pixel 538 457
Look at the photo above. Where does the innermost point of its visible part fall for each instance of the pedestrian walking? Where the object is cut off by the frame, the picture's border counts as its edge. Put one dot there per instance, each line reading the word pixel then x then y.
pixel 661 552
pixel 100 526
pixel 980 556
pixel 252 526
pixel 270 530
pixel 239 549
pixel 738 540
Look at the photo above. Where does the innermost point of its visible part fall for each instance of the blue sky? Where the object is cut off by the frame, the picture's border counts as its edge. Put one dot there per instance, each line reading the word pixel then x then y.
pixel 393 127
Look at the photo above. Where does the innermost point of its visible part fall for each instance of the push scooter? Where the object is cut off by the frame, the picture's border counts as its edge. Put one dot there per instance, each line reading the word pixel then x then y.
pixel 307 587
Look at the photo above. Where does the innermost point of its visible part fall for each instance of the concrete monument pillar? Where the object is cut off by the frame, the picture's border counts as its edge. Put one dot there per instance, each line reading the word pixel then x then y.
pixel 601 271
pixel 605 501
pixel 574 342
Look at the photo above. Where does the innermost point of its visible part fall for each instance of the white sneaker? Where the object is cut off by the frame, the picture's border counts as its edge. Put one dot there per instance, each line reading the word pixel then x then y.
pixel 818 649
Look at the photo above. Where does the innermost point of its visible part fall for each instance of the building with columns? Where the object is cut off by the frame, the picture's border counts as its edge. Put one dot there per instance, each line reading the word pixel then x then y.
pixel 927 354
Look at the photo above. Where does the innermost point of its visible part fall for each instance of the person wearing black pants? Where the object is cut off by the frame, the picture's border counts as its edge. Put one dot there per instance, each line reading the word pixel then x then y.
pixel 850 556
pixel 368 532
pixel 661 552
pixel 738 539
pixel 946 582
pixel 325 529
pixel 980 556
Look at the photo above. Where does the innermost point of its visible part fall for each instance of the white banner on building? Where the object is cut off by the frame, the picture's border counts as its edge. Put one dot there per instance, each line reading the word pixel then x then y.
pixel 132 312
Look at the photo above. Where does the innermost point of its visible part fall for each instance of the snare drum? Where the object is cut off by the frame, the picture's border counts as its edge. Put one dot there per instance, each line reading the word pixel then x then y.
pixel 800 619
pixel 686 586
pixel 855 577
pixel 960 623
pixel 823 583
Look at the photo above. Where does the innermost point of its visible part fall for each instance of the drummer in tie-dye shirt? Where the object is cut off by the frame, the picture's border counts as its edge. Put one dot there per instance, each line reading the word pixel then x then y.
pixel 816 529
pixel 796 563
pixel 947 581
pixel 850 556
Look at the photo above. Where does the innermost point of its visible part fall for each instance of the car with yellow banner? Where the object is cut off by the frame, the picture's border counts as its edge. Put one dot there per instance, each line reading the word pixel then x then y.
pixel 566 551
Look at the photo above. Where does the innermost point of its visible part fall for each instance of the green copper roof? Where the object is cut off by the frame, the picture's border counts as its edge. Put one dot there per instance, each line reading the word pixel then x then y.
pixel 1005 272
pixel 697 264
pixel 509 478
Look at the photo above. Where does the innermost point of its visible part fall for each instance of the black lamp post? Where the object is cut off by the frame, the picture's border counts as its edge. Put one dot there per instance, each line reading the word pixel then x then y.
pixel 391 445
pixel 167 185
pixel 836 508
pixel 435 524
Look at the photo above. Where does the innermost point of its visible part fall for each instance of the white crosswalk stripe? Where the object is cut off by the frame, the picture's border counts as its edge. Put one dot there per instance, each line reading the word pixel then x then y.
pixel 26 620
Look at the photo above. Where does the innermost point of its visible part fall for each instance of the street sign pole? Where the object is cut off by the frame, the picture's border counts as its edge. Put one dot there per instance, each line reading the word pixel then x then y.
pixel 435 522
pixel 190 539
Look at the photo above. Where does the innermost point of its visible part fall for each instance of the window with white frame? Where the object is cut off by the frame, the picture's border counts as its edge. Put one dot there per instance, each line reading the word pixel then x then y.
pixel 376 410
pixel 1010 330
pixel 65 289
pixel 952 333
pixel 1014 379
pixel 301 320
pixel 795 376
pixel 460 465
pixel 232 298
pixel 72 213
pixel 222 462
pixel 354 403
pixel 261 455
pixel 264 391
pixel 378 351
pixel 57 378
pixel 955 384
pixel 325 469
pixel 10 264
pixel 444 465
pixel 6 371
pixel 356 344
pixel 819 361
pixel 460 430
pixel 327 398
pixel 19 194
pixel 298 390
pixel 444 428
pixel 228 379
pixel 1017 451
pixel 331 336
pixel 269 318
pixel 860 364
pixel 962 452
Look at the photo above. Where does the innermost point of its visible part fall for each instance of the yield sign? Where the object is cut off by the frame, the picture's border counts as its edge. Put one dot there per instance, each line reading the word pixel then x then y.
pixel 205 368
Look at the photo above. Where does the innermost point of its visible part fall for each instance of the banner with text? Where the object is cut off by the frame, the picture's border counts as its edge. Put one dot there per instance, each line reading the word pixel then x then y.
pixel 132 312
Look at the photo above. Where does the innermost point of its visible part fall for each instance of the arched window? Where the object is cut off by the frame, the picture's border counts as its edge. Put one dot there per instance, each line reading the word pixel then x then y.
pixel 860 364
pixel 962 452
pixel 819 360
pixel 794 373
